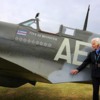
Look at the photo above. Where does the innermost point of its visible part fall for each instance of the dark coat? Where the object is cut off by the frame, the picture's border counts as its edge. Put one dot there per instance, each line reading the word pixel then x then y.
pixel 94 60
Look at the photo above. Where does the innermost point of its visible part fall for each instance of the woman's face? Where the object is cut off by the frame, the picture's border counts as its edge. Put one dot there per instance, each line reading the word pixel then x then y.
pixel 95 45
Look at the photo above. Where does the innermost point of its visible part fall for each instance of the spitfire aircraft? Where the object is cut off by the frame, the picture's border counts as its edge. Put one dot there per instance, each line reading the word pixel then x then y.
pixel 29 54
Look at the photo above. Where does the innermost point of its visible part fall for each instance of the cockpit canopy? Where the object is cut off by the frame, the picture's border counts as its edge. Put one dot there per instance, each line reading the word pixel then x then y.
pixel 48 26
pixel 42 25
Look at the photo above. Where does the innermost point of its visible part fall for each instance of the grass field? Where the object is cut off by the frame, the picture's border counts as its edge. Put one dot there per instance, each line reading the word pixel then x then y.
pixel 42 91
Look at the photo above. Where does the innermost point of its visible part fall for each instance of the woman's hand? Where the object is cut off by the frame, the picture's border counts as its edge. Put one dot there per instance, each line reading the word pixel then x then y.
pixel 74 71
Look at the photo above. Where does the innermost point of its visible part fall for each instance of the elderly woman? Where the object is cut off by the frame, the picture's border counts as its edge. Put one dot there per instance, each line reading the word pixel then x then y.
pixel 94 60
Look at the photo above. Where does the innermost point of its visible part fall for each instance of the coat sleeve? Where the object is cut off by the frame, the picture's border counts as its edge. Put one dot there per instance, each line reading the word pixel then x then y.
pixel 85 62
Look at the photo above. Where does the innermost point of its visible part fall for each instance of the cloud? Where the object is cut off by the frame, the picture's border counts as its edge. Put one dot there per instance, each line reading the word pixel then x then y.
pixel 67 12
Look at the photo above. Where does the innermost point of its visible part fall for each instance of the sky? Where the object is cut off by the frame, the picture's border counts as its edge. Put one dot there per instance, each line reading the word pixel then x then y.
pixel 70 13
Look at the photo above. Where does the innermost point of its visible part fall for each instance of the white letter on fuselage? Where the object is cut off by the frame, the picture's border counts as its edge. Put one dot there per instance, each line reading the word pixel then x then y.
pixel 77 52
pixel 65 44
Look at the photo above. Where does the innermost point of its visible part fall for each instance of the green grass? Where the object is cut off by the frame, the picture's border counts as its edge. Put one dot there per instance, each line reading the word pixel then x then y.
pixel 42 91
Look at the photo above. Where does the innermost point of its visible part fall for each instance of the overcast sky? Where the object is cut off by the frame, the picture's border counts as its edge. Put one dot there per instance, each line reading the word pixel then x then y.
pixel 70 13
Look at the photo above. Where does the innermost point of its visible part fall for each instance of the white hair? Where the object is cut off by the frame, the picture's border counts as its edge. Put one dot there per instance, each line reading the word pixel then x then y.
pixel 96 40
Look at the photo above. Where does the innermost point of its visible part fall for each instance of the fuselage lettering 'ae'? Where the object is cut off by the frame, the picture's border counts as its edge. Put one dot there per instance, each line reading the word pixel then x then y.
pixel 66 44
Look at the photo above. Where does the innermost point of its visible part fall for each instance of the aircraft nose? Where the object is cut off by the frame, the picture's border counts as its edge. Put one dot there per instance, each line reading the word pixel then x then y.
pixel 7 30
